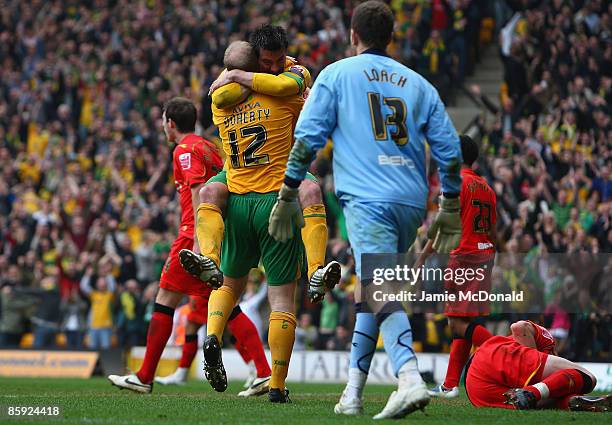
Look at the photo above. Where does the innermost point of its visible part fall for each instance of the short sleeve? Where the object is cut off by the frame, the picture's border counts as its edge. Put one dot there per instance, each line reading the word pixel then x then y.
pixel 192 165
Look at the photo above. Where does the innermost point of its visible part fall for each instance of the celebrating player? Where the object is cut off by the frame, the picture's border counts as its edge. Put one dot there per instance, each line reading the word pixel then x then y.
pixel 476 250
pixel 248 344
pixel 232 87
pixel 520 371
pixel 195 160
pixel 257 144
pixel 378 113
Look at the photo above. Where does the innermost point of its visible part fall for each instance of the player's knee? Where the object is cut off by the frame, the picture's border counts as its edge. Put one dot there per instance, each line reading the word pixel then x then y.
pixel 214 193
pixel 589 381
pixel 310 193
pixel 235 312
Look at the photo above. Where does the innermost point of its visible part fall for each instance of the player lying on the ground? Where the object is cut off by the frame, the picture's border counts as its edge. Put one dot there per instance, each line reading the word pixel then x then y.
pixel 476 250
pixel 257 148
pixel 248 343
pixel 521 371
pixel 195 160
pixel 232 87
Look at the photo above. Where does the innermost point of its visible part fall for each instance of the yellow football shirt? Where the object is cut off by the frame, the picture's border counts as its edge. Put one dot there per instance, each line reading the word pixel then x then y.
pixel 257 136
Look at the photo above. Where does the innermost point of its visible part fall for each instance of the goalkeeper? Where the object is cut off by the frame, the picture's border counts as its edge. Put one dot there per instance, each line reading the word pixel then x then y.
pixel 378 113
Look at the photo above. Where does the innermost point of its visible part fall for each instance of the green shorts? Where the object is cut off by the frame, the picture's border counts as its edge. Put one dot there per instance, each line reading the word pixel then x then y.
pixel 222 178
pixel 246 241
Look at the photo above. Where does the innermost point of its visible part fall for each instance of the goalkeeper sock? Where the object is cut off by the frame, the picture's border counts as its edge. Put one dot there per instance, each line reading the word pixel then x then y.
pixel 363 345
pixel 189 350
pixel 159 331
pixel 247 336
pixel 459 354
pixel 397 336
pixel 314 236
pixel 280 339
pixel 220 306
pixel 209 230
pixel 559 384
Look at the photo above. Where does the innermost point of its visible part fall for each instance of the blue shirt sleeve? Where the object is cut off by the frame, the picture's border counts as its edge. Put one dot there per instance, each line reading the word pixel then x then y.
pixel 316 123
pixel 444 145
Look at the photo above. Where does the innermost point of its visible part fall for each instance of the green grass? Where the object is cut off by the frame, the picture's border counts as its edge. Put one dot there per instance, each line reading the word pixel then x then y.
pixel 95 401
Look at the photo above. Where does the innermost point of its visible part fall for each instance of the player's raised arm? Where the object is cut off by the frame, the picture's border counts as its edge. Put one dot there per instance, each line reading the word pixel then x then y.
pixel 445 230
pixel 315 124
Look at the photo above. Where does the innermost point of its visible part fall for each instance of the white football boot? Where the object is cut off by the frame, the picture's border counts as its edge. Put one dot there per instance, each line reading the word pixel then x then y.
pixel 179 377
pixel 441 392
pixel 260 386
pixel 348 405
pixel 405 401
pixel 130 382
pixel 411 393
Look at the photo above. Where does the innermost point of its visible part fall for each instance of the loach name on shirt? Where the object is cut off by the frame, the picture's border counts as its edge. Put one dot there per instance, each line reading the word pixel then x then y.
pixel 385 77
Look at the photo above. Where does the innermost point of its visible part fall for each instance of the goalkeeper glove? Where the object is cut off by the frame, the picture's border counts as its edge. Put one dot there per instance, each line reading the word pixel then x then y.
pixel 285 213
pixel 445 230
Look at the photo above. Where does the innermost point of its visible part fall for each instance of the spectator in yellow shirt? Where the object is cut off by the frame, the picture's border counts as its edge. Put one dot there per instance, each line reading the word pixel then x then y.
pixel 101 311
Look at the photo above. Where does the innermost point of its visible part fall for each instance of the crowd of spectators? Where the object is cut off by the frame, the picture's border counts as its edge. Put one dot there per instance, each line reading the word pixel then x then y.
pixel 87 201
pixel 548 157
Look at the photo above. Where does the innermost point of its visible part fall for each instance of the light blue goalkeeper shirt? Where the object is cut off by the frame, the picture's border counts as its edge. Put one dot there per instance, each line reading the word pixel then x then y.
pixel 380 115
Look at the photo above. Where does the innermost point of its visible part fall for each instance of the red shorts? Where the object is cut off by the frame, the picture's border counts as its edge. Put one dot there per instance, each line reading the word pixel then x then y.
pixel 175 278
pixel 198 310
pixel 498 365
pixel 471 274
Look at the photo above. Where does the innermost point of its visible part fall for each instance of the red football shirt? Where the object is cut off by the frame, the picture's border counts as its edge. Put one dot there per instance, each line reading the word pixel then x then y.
pixel 478 203
pixel 195 161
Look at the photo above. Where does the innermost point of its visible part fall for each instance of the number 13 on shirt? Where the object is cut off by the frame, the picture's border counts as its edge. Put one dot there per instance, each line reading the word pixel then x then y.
pixel 397 118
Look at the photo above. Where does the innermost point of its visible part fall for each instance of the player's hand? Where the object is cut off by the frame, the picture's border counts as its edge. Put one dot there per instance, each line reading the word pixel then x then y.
pixel 223 79
pixel 445 230
pixel 290 60
pixel 285 213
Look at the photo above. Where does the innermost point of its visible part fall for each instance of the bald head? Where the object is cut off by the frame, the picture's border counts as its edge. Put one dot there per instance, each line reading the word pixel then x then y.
pixel 240 55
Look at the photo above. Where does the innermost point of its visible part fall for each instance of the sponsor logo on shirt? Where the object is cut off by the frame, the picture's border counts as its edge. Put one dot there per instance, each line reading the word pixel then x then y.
pixel 395 161
pixel 185 160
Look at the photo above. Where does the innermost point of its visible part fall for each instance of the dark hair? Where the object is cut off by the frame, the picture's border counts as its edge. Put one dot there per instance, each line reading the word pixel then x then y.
pixel 269 37
pixel 373 23
pixel 183 112
pixel 469 149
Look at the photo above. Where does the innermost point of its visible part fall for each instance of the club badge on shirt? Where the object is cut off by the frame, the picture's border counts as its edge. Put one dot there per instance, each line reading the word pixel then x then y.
pixel 185 160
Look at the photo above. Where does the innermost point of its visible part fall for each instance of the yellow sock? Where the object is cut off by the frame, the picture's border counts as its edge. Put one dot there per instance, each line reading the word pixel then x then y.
pixel 314 236
pixel 220 306
pixel 209 230
pixel 280 339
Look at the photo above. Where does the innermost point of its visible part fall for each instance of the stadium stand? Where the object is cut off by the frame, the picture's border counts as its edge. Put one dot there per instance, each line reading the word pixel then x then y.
pixel 87 201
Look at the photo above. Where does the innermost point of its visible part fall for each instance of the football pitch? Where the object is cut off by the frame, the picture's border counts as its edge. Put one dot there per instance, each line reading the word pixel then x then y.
pixel 95 401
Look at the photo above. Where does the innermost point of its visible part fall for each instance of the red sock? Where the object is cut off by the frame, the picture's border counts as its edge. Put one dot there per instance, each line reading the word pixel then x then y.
pixel 563 402
pixel 560 384
pixel 480 335
pixel 160 329
pixel 246 335
pixel 244 353
pixel 189 350
pixel 459 354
